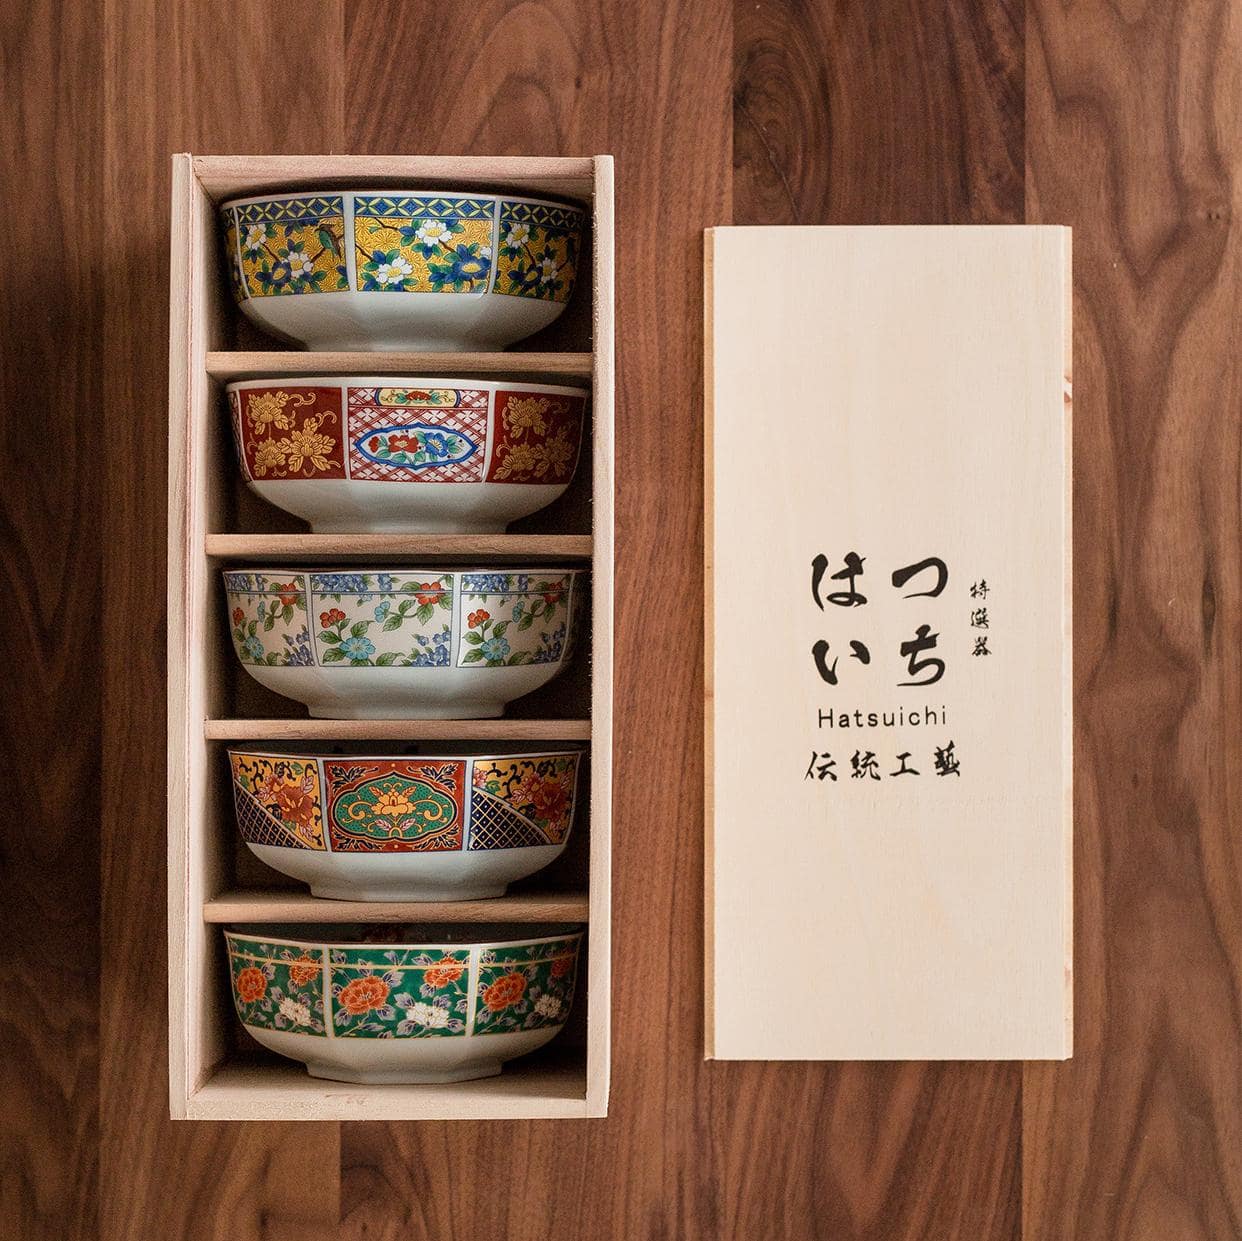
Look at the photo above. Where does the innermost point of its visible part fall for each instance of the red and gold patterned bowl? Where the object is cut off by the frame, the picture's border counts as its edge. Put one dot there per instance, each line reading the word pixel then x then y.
pixel 428 827
pixel 406 454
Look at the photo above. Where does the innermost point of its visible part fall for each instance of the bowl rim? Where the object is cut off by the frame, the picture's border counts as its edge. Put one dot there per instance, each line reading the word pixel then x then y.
pixel 400 192
pixel 408 381
pixel 577 932
pixel 281 570
pixel 304 756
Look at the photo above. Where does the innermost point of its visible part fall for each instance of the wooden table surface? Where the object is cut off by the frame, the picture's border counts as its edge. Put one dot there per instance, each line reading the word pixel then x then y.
pixel 1118 117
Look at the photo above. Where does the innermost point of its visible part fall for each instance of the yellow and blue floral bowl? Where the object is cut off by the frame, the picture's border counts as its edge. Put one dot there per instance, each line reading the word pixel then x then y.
pixel 438 1004
pixel 401 643
pixel 401 269
pixel 439 826
pixel 387 454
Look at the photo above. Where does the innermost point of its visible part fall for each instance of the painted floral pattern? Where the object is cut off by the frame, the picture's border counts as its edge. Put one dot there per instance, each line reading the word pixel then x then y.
pixel 382 992
pixel 402 805
pixel 268 618
pixel 384 620
pixel 277 986
pixel 377 991
pixel 538 254
pixel 231 252
pixel 525 987
pixel 417 446
pixel 289 432
pixel 291 246
pixel 403 243
pixel 278 800
pixel 400 619
pixel 418 435
pixel 415 244
pixel 513 618
pixel 540 789
pixel 415 398
pixel 393 805
pixel 404 434
pixel 536 438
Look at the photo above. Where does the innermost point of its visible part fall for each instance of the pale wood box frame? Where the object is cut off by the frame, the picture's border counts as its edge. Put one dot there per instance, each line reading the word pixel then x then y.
pixel 207 1080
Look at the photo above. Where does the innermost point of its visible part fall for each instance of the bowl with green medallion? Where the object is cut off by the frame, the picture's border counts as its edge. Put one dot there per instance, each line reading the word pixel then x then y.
pixel 403 1004
pixel 401 269
pixel 404 643
pixel 439 825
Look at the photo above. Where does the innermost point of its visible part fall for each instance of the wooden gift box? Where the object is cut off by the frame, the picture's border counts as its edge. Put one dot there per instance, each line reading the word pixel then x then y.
pixel 215 1070
pixel 909 721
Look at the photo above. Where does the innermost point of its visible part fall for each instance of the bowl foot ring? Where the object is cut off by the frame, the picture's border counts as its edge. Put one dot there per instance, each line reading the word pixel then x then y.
pixel 405 1077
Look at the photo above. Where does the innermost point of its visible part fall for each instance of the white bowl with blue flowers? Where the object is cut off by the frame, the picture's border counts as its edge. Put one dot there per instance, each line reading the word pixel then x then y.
pixel 401 643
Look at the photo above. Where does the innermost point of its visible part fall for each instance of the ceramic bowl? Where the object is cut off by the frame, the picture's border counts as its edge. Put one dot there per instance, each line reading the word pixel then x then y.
pixel 431 827
pixel 401 269
pixel 406 455
pixel 439 1004
pixel 404 643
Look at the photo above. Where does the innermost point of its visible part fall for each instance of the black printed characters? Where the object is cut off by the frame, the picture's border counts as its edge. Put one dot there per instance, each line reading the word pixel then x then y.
pixel 979 618
pixel 865 765
pixel 931 575
pixel 849 598
pixel 829 671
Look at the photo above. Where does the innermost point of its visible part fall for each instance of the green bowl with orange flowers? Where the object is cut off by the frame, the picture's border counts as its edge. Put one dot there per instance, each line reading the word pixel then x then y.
pixel 403 1004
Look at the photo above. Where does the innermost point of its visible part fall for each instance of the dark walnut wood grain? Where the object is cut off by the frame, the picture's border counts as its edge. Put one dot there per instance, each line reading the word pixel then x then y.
pixel 841 112
pixel 877 112
pixel 1133 138
pixel 54 427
